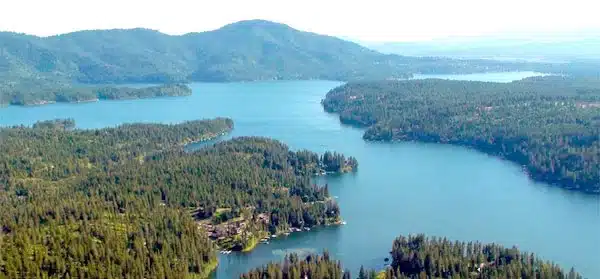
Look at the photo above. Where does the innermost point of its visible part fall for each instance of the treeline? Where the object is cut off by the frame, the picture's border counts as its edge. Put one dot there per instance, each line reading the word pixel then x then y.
pixel 26 94
pixel 422 257
pixel 296 267
pixel 120 93
pixel 550 125
pixel 125 202
pixel 417 256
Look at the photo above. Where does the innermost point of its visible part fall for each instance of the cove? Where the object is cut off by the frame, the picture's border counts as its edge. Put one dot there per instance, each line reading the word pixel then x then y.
pixel 399 188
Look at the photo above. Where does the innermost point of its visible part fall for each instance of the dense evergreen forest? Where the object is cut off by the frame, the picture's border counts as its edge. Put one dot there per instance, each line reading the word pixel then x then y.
pixel 128 202
pixel 417 256
pixel 36 70
pixel 40 93
pixel 242 51
pixel 550 125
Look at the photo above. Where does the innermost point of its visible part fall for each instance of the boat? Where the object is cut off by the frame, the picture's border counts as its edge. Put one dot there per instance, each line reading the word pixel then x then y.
pixel 344 223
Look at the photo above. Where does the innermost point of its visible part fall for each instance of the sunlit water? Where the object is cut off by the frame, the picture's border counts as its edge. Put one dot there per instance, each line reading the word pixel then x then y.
pixel 400 188
pixel 492 77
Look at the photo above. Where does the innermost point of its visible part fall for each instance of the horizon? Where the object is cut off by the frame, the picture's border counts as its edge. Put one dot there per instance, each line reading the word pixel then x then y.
pixel 380 21
pixel 555 37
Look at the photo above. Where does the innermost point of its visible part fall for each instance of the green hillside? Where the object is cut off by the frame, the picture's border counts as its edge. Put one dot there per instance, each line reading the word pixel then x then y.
pixel 246 50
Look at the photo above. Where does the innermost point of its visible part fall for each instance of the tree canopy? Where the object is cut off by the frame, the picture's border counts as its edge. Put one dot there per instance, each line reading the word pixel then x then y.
pixel 129 202
pixel 241 51
pixel 550 125
pixel 418 256
pixel 25 93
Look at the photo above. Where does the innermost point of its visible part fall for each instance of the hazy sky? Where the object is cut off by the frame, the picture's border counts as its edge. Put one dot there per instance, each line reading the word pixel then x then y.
pixel 368 20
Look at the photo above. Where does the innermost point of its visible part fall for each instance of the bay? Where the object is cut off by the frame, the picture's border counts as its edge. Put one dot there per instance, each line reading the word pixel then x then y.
pixel 400 188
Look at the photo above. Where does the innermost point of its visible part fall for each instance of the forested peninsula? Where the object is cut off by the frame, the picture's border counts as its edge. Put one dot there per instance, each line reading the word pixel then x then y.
pixel 47 93
pixel 129 202
pixel 549 125
pixel 418 256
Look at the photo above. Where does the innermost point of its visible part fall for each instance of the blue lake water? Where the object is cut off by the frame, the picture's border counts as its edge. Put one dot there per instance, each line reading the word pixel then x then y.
pixel 492 77
pixel 400 188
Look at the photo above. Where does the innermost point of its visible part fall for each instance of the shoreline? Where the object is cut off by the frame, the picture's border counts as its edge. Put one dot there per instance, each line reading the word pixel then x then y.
pixel 255 242
pixel 210 268
pixel 531 174
pixel 210 137
pixel 43 103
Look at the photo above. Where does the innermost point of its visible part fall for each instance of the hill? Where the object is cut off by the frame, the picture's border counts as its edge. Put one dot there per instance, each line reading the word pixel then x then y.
pixel 246 50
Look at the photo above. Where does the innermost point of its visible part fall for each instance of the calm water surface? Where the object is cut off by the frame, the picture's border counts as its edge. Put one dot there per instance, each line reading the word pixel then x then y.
pixel 400 188
pixel 493 77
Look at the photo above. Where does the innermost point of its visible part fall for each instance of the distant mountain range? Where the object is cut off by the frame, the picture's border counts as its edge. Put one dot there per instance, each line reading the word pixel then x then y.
pixel 242 51
pixel 550 47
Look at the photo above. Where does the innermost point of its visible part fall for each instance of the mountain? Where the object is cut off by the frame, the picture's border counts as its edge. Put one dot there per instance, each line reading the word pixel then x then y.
pixel 246 50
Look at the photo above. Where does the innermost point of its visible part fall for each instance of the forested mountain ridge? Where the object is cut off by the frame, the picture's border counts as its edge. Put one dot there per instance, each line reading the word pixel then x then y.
pixel 242 51
pixel 417 256
pixel 550 125
pixel 129 202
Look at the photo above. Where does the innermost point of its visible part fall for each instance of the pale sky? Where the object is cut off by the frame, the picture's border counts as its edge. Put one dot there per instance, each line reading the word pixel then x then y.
pixel 370 20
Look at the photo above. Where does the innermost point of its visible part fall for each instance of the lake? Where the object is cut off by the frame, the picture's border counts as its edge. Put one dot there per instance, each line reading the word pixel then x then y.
pixel 492 77
pixel 399 188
